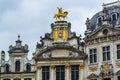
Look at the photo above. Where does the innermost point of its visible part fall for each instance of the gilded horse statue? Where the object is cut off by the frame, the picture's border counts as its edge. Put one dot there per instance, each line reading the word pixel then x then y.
pixel 60 15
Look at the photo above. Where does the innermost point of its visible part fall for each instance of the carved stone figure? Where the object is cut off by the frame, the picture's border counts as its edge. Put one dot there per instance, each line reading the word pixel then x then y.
pixel 88 23
pixel 46 55
pixel 73 54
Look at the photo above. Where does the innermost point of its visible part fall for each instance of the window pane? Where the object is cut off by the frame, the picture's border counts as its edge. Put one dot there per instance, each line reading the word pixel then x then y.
pixel 118 51
pixel 118 77
pixel 75 72
pixel 60 72
pixel 93 55
pixel 45 72
pixel 106 53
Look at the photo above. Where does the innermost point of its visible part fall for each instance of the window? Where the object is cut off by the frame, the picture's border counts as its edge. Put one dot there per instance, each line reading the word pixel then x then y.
pixel 28 67
pixel 60 72
pixel 17 66
pixel 6 68
pixel 45 73
pixel 99 21
pixel 6 79
pixel 17 79
pixel 74 72
pixel 118 51
pixel 93 55
pixel 106 53
pixel 118 78
pixel 28 79
pixel 107 78
pixel 114 18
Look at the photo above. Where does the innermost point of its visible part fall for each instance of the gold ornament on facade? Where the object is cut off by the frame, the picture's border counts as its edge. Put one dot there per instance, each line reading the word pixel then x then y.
pixel 65 34
pixel 82 66
pixel 55 34
pixel 93 68
pixel 61 15
pixel 67 65
pixel 52 66
pixel 118 65
pixel 12 56
pixel 106 67
pixel 23 56
pixel 38 67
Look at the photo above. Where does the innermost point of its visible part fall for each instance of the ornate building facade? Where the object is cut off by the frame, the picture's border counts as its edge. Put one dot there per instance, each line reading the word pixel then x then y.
pixel 62 55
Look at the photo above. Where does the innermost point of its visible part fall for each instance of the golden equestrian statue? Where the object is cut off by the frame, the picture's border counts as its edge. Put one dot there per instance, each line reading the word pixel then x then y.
pixel 60 15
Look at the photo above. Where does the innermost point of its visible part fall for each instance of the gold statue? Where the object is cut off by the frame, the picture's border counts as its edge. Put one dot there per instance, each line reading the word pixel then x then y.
pixel 60 15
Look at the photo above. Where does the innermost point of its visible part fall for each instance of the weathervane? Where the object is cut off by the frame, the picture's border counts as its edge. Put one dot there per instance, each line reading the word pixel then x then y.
pixel 61 15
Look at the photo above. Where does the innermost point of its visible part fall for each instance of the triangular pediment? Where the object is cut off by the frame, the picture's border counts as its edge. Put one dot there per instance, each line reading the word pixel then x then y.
pixel 103 32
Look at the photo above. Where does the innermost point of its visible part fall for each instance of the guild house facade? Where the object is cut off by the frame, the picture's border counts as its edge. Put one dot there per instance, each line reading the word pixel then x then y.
pixel 62 55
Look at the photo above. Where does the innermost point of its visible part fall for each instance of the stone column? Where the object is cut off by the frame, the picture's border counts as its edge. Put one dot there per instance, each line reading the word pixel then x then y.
pixel 52 72
pixel 81 72
pixel 39 73
pixel 67 72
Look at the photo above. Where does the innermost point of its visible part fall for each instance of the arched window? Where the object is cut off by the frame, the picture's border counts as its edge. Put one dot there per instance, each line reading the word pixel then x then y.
pixel 7 68
pixel 114 18
pixel 28 67
pixel 99 21
pixel 17 66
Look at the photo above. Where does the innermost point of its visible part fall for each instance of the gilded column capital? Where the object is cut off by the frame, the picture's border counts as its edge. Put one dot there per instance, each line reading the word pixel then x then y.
pixel 52 66
pixel 38 67
pixel 67 65
pixel 82 66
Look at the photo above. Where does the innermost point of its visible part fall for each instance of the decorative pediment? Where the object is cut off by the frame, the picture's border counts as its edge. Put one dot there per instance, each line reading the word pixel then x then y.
pixel 104 31
pixel 57 51
pixel 92 76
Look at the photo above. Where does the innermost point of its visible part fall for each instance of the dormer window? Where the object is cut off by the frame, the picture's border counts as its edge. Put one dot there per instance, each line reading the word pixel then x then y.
pixel 99 21
pixel 114 18
pixel 28 67
pixel 17 66
pixel 7 68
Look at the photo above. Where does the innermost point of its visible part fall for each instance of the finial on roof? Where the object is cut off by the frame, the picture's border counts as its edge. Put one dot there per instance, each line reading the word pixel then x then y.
pixel 18 36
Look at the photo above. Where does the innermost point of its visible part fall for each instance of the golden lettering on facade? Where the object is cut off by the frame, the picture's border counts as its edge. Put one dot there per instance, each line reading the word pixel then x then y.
pixel 93 68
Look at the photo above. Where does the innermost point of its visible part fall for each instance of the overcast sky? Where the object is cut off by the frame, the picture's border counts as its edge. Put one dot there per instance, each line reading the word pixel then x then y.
pixel 32 18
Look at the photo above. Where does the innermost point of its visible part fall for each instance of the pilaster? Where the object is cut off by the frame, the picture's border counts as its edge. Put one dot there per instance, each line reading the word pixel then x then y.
pixel 81 71
pixel 39 73
pixel 67 72
pixel 52 72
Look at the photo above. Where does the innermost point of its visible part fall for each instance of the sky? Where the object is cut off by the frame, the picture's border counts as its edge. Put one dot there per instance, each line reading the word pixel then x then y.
pixel 32 19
